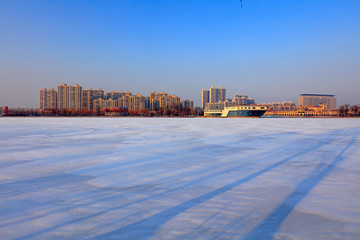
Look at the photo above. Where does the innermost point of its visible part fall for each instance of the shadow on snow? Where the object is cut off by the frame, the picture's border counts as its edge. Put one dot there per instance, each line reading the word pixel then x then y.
pixel 268 228
pixel 147 227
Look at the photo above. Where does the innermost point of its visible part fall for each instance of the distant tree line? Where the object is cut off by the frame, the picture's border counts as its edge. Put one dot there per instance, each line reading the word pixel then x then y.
pixel 21 112
pixel 161 112
pixel 178 111
pixel 345 110
pixel 349 111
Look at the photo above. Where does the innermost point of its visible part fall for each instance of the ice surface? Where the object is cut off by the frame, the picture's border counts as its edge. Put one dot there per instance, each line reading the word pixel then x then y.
pixel 168 178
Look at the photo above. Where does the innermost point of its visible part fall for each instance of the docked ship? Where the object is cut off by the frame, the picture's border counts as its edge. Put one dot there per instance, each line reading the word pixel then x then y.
pixel 237 111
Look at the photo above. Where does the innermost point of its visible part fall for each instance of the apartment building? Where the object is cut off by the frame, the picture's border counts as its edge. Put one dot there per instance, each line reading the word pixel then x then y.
pixel 240 100
pixel 115 95
pixel 205 97
pixel 88 97
pixel 69 97
pixel 217 94
pixel 75 98
pixel 104 103
pixel 213 95
pixel 187 104
pixel 48 99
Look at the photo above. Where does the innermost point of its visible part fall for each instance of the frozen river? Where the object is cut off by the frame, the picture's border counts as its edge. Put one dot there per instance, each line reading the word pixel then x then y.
pixel 167 178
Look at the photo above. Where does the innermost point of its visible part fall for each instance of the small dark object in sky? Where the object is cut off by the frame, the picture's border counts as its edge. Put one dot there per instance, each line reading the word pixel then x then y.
pixel 241 3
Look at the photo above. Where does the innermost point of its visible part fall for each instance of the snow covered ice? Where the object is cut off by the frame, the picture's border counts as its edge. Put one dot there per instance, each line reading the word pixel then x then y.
pixel 172 178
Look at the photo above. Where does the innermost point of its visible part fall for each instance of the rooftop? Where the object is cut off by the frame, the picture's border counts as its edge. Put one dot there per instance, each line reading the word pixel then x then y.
pixel 318 95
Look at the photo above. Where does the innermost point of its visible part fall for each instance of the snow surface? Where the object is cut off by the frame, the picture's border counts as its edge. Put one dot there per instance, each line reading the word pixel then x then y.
pixel 167 178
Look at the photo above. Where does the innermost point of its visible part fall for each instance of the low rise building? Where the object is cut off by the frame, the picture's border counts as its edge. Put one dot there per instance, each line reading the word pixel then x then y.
pixel 306 111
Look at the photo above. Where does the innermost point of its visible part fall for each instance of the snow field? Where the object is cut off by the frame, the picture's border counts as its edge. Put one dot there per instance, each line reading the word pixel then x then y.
pixel 168 178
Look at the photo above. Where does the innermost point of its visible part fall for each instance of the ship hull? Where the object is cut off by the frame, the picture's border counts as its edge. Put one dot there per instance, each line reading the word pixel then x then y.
pixel 237 112
pixel 246 113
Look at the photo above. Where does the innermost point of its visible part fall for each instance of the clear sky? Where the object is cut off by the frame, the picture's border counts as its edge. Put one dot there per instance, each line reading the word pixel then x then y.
pixel 271 50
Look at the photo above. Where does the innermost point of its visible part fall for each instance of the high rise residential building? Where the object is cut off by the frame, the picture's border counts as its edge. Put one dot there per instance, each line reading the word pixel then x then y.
pixel 48 99
pixel 114 95
pixel 147 102
pixel 137 103
pixel 221 94
pixel 52 99
pixel 217 94
pixel 124 101
pixel 153 101
pixel 104 103
pixel 69 97
pixel 205 97
pixel 43 98
pixel 75 98
pixel 62 96
pixel 88 96
pixel 317 99
pixel 213 97
pixel 239 100
pixel 162 100
pixel 187 104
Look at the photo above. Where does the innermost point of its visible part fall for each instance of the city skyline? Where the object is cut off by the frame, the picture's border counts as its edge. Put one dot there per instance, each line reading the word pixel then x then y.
pixel 219 95
pixel 76 98
pixel 200 104
pixel 271 51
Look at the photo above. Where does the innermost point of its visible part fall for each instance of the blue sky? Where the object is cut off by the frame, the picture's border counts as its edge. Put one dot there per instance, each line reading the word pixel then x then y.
pixel 269 50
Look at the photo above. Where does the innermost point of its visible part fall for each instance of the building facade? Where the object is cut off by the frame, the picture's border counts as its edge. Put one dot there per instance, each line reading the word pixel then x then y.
pixel 217 94
pixel 115 95
pixel 281 106
pixel 69 97
pixel 303 111
pixel 137 103
pixel 215 99
pixel 88 97
pixel 316 99
pixel 100 103
pixel 187 104
pixel 205 97
pixel 213 95
pixel 240 100
pixel 48 99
